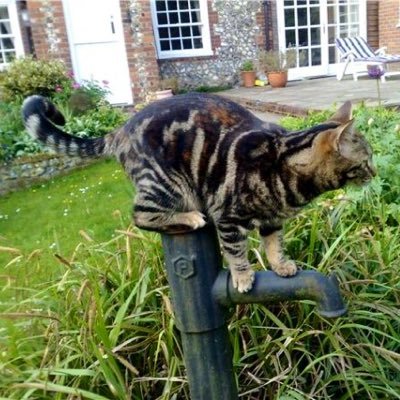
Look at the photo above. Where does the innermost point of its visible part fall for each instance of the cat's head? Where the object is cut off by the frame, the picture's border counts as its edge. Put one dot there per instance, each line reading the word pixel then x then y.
pixel 339 154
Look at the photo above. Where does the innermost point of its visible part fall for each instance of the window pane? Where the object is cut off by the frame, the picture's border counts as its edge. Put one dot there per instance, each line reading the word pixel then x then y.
pixel 331 15
pixel 162 19
pixel 176 45
pixel 8 43
pixel 332 34
pixel 187 44
pixel 160 5
pixel 314 16
pixel 289 17
pixel 343 14
pixel 303 37
pixel 198 43
pixel 290 38
pixel 194 4
pixel 332 55
pixel 303 58
pixel 173 18
pixel 185 17
pixel 174 32
pixel 163 33
pixel 315 36
pixel 196 16
pixel 185 31
pixel 4 12
pixel 301 16
pixel 184 5
pixel 196 31
pixel 172 5
pixel 315 56
pixel 164 44
pixel 5 28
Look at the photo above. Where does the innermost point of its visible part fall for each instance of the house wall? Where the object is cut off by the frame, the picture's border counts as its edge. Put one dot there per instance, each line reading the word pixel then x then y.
pixel 237 32
pixel 373 23
pixel 49 33
pixel 140 47
pixel 389 25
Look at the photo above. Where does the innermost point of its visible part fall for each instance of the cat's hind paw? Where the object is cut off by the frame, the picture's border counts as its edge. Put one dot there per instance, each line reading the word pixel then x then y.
pixel 243 280
pixel 286 268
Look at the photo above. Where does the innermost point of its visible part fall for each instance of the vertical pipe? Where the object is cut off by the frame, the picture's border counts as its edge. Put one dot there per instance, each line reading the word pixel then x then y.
pixel 193 261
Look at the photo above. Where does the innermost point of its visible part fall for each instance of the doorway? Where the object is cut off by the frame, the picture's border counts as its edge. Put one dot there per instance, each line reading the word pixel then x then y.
pixel 311 26
pixel 98 52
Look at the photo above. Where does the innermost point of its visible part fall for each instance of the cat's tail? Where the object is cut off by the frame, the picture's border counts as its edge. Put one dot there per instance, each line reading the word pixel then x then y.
pixel 40 117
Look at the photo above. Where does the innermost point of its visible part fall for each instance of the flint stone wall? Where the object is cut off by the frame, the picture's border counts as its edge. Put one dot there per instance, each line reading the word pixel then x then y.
pixel 237 34
pixel 24 173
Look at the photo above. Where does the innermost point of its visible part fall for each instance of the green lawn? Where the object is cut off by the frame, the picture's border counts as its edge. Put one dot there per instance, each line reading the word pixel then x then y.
pixel 56 216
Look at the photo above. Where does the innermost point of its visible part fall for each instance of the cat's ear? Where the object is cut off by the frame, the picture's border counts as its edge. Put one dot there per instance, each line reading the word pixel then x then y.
pixel 343 114
pixel 344 142
pixel 338 139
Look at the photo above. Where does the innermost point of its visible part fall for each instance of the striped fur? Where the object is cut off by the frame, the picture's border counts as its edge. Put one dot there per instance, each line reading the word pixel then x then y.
pixel 196 158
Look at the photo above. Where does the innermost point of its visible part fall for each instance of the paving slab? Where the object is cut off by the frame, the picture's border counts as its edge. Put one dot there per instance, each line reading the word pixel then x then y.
pixel 300 97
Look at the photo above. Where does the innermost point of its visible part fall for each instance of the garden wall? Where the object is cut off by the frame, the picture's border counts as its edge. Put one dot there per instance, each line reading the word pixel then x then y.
pixel 26 172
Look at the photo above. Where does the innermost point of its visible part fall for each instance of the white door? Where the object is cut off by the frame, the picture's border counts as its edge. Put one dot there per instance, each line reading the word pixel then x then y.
pixel 311 27
pixel 97 45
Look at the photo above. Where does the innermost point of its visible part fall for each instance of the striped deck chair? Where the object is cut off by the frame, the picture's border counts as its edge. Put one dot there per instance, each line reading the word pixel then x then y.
pixel 357 52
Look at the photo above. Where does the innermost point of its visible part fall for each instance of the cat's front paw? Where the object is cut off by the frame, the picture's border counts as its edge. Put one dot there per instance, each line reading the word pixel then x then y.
pixel 243 280
pixel 196 219
pixel 285 268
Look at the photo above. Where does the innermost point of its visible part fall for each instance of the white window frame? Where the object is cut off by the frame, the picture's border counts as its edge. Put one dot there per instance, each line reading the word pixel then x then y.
pixel 15 30
pixel 205 31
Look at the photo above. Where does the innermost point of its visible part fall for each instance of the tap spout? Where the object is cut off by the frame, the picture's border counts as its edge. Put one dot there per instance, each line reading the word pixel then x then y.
pixel 270 288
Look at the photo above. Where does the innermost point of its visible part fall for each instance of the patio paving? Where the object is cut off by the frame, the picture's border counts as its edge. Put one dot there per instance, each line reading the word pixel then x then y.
pixel 300 97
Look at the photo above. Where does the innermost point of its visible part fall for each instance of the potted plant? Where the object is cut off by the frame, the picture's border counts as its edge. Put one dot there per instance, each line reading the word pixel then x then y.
pixel 248 74
pixel 276 64
pixel 167 88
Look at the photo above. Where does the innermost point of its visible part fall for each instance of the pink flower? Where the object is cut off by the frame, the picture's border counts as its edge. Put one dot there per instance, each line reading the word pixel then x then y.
pixel 105 82
pixel 70 73
pixel 76 85
pixel 58 89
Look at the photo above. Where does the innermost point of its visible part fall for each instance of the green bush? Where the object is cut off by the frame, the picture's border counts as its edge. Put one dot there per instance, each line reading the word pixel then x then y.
pixel 26 76
pixel 14 141
pixel 96 122
pixel 84 104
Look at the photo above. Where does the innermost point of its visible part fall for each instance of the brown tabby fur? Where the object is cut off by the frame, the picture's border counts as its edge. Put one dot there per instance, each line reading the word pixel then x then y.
pixel 197 158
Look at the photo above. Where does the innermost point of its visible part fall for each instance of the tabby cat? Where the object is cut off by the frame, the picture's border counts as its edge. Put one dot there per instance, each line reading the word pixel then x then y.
pixel 200 158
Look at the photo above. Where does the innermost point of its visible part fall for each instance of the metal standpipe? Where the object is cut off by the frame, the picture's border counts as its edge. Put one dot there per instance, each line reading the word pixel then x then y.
pixel 201 294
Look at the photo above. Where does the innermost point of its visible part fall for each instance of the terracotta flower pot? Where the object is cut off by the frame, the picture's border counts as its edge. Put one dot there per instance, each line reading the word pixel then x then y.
pixel 248 78
pixel 163 94
pixel 277 79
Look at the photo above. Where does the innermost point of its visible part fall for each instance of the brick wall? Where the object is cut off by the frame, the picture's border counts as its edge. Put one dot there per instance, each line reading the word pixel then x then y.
pixel 140 48
pixel 389 18
pixel 373 23
pixel 49 33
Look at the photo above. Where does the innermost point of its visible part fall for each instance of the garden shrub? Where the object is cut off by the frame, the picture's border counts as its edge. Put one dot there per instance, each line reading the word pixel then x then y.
pixel 14 141
pixel 84 104
pixel 26 76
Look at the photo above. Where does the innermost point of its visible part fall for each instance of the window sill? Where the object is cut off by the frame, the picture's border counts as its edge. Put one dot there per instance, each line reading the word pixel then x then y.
pixel 174 56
